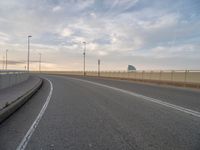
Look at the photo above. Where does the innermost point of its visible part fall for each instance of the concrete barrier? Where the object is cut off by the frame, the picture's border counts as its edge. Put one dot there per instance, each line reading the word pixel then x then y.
pixel 22 99
pixel 10 78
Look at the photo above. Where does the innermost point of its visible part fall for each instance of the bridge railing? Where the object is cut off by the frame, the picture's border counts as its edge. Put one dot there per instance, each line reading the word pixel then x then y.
pixel 9 78
pixel 172 76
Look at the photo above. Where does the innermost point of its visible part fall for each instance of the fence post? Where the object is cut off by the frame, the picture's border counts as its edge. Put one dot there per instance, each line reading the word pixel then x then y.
pixel 185 78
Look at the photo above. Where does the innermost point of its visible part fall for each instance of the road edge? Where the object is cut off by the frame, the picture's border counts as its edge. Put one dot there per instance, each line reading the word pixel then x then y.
pixel 27 137
pixel 11 108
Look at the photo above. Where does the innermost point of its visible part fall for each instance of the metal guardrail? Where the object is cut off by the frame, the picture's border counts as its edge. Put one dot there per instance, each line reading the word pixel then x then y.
pixel 175 76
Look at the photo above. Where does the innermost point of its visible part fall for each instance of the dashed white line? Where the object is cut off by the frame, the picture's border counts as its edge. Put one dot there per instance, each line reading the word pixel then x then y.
pixel 169 105
pixel 28 135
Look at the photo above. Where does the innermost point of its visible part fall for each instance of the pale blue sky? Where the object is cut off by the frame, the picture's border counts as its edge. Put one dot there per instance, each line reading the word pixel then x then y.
pixel 150 34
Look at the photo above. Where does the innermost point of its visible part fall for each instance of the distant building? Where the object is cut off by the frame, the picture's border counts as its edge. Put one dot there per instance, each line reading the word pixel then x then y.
pixel 131 68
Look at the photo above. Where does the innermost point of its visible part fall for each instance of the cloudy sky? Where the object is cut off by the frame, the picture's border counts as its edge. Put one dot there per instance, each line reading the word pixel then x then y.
pixel 149 34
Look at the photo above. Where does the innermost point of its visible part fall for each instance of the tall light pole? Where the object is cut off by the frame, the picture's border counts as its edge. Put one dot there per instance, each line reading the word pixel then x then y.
pixel 28 52
pixel 6 59
pixel 84 53
pixel 40 57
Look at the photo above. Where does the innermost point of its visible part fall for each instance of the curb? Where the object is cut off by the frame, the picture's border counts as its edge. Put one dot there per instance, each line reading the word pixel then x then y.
pixel 16 104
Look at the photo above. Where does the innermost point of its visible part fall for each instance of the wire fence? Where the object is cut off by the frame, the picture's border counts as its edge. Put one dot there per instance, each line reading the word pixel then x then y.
pixel 183 76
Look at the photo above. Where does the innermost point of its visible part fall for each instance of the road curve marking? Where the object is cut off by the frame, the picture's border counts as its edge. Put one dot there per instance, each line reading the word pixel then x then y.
pixel 29 133
pixel 169 105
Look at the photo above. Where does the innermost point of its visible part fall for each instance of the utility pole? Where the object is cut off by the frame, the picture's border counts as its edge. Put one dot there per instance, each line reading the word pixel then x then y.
pixel 6 59
pixel 28 52
pixel 84 53
pixel 40 57
pixel 99 63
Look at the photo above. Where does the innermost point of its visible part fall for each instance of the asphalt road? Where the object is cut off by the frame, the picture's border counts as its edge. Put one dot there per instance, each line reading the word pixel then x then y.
pixel 84 115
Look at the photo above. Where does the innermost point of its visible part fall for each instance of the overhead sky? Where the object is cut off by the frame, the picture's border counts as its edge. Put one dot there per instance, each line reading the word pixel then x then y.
pixel 149 34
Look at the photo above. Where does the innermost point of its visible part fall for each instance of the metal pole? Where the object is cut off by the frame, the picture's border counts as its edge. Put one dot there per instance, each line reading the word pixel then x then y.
pixel 84 53
pixel 6 59
pixel 28 52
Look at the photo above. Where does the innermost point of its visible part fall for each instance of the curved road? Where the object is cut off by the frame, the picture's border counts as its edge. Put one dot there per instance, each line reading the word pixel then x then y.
pixel 104 114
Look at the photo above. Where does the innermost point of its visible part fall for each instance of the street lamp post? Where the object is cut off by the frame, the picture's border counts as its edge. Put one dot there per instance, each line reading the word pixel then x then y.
pixel 28 52
pixel 84 53
pixel 40 57
pixel 6 59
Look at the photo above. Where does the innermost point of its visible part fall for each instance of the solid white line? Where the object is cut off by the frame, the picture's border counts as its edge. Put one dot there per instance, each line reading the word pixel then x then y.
pixel 28 135
pixel 169 105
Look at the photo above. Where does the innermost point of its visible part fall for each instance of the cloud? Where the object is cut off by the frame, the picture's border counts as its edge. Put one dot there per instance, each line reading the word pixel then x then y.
pixel 4 38
pixel 56 8
pixel 162 22
pixel 176 51
pixel 66 32
pixel 93 15
pixel 119 32
pixel 12 62
pixel 102 53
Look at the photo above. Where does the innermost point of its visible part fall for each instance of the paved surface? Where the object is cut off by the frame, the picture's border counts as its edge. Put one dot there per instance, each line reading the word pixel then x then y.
pixel 8 95
pixel 82 115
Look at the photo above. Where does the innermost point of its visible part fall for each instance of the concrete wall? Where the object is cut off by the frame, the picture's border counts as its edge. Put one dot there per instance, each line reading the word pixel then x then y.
pixel 10 79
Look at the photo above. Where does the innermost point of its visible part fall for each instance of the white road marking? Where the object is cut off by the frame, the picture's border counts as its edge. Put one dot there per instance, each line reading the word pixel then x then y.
pixel 28 135
pixel 176 107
